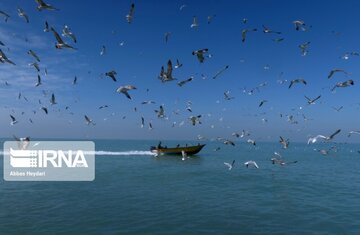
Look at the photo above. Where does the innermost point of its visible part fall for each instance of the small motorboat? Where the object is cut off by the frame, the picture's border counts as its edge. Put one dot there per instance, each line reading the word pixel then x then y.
pixel 189 150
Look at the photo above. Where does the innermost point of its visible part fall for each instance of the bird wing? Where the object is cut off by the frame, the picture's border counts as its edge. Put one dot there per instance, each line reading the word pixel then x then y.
pixel 57 36
pixel 169 69
pixel 334 134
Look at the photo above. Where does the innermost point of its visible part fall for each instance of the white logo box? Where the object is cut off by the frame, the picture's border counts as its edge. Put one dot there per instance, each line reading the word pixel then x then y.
pixel 49 160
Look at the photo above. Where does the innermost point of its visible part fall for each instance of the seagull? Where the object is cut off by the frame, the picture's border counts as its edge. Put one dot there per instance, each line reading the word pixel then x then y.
pixel 7 16
pixel 60 43
pixel 125 89
pixel 74 81
pixel 194 23
pixel 166 77
pixel 250 141
pixel 230 165
pixel 347 55
pixel 161 112
pixel 227 96
pixel 297 81
pixel 44 109
pixel 88 120
pixel 312 101
pixel 183 82
pixel 103 50
pixel 42 5
pixel 200 54
pixel 285 143
pixel 36 66
pixel 52 100
pixel 178 64
pixel 150 126
pixel 304 48
pixel 281 162
pixel 244 32
pixel 338 109
pixel 229 142
pixel 343 84
pixel 353 132
pixel 46 29
pixel 3 58
pixel 66 32
pixel 142 122
pixel 103 106
pixel 13 120
pixel 33 54
pixel 111 74
pixel 209 18
pixel 23 143
pixel 22 13
pixel 251 163
pixel 195 119
pixel 313 140
pixel 220 71
pixel 182 7
pixel 166 36
pixel 278 39
pixel 148 102
pixel 333 71
pixel 267 30
pixel 299 24
pixel 38 83
pixel 262 102
pixel 184 155
pixel 129 17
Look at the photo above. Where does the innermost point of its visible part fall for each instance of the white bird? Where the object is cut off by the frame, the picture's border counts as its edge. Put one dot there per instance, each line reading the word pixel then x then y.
pixel 66 32
pixel 229 142
pixel 333 71
pixel 285 143
pixel 353 132
pixel 343 84
pixel 312 101
pixel 166 77
pixel 23 142
pixel 251 163
pixel 103 50
pixel 38 83
pixel 227 96
pixel 148 102
pixel 42 5
pixel 60 43
pixel 88 120
pixel 267 30
pixel 22 13
pixel 250 141
pixel 46 29
pixel 13 120
pixel 4 58
pixel 304 48
pixel 200 54
pixel 295 81
pixel 230 165
pixel 195 23
pixel 195 119
pixel 313 140
pixel 129 17
pixel 299 24
pixel 125 89
pixel 178 64
pixel 52 100
pixel 161 112
pixel 142 122
pixel 244 33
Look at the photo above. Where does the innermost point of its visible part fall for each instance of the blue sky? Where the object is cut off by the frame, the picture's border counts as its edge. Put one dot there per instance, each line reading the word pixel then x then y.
pixel 334 31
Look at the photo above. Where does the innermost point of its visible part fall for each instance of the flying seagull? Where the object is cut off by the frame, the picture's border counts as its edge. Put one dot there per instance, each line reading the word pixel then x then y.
pixel 166 77
pixel 220 71
pixel 38 83
pixel 44 6
pixel 251 163
pixel 195 119
pixel 284 143
pixel 343 84
pixel 178 64
pixel 44 109
pixel 200 54
pixel 267 30
pixel 229 142
pixel 6 16
pixel 3 58
pixel 125 89
pixel 89 121
pixel 60 43
pixel 52 100
pixel 333 71
pixel 129 17
pixel 353 132
pixel 111 74
pixel 13 120
pixel 22 13
pixel 227 96
pixel 304 48
pixel 195 23
pixel 33 54
pixel 183 82
pixel 230 165
pixel 167 36
pixel 74 81
pixel 244 33
pixel 312 101
pixel 161 112
pixel 209 18
pixel 299 24
pixel 250 141
pixel 295 81
pixel 262 103
pixel 23 142
pixel 66 32
pixel 338 109
pixel 36 66
pixel 313 140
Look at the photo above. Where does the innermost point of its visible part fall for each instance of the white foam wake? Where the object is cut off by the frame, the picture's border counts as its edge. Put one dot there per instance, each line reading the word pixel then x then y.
pixel 124 153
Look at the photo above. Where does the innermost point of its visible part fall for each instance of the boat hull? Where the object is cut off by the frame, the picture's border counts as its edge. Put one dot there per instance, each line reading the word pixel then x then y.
pixel 189 150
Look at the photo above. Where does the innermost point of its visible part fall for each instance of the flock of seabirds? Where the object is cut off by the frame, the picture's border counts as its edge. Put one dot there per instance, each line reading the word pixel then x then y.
pixel 165 75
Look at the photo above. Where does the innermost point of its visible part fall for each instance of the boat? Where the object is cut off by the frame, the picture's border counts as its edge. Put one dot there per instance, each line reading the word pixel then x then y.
pixel 189 150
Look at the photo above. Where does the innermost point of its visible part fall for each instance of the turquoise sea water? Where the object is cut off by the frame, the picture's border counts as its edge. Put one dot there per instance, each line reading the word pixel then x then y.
pixel 141 194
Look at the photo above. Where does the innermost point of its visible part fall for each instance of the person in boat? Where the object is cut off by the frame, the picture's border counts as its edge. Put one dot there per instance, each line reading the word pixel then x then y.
pixel 177 146
pixel 159 145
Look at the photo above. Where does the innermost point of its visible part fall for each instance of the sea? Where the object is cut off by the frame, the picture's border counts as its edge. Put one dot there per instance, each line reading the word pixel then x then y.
pixel 137 193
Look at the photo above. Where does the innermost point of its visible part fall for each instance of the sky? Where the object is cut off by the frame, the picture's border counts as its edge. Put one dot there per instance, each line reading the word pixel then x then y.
pixel 137 51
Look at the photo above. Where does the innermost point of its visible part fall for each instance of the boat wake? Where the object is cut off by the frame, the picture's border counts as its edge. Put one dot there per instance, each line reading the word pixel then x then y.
pixel 123 153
